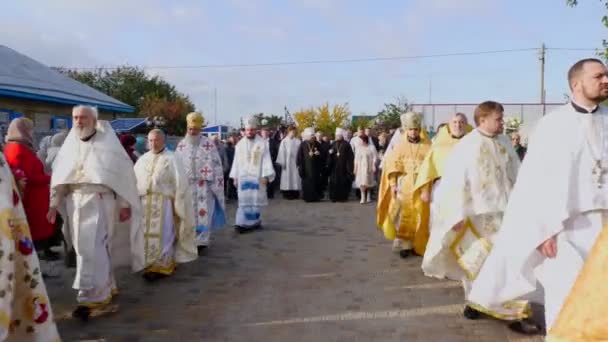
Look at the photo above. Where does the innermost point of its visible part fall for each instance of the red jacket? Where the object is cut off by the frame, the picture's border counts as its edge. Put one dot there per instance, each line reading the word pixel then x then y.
pixel 36 192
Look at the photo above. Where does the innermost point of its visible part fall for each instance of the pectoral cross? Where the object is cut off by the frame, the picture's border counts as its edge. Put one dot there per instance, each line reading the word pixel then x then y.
pixel 207 146
pixel 598 172
pixel 205 171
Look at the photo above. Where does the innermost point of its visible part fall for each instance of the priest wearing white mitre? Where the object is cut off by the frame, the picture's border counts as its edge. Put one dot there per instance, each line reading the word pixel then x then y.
pixel 251 172
pixel 168 212
pixel 94 187
pixel 559 203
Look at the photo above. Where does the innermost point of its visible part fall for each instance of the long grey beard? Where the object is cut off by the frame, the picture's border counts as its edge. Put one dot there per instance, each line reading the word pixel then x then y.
pixel 193 140
pixel 84 132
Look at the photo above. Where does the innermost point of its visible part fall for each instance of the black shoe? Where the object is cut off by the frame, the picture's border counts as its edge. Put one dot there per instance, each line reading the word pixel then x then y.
pixel 202 250
pixel 470 313
pixel 151 276
pixel 49 255
pixel 404 253
pixel 82 312
pixel 526 327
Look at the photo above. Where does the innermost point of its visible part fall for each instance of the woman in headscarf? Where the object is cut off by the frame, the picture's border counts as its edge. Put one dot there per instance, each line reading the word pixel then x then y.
pixel 128 142
pixel 29 172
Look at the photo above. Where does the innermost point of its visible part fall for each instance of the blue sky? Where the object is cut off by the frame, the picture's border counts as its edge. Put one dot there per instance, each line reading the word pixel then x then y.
pixel 188 32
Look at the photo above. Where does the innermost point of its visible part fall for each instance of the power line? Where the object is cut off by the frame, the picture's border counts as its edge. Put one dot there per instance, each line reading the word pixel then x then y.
pixel 572 49
pixel 326 61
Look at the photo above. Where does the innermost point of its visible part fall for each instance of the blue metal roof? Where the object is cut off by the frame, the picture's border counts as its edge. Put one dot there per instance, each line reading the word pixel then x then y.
pixel 24 78
pixel 127 124
pixel 216 128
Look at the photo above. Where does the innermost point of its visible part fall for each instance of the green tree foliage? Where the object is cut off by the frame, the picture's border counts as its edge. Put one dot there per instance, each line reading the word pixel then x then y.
pixel 390 115
pixel 603 54
pixel 271 121
pixel 150 95
pixel 364 121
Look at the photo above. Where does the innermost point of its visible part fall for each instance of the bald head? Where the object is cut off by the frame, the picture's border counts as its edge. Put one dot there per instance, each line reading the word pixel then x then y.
pixel 156 140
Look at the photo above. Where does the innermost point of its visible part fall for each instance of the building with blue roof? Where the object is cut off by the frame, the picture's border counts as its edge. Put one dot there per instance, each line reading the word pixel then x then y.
pixel 30 88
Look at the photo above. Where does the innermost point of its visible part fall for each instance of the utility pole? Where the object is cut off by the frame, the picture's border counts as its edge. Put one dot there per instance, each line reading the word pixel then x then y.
pixel 542 58
pixel 430 89
pixel 215 106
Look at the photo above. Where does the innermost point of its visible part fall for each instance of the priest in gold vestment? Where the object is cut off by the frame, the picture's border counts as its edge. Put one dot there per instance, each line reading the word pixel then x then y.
pixel 431 170
pixel 479 175
pixel 402 216
pixel 168 215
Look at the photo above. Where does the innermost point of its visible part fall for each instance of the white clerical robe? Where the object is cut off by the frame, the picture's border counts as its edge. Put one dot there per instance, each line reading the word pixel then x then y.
pixel 168 216
pixel 91 181
pixel 203 167
pixel 477 180
pixel 558 193
pixel 252 162
pixel 25 309
pixel 288 152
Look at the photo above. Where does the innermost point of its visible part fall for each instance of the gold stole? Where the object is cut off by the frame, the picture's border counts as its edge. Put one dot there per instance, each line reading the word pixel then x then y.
pixel 584 315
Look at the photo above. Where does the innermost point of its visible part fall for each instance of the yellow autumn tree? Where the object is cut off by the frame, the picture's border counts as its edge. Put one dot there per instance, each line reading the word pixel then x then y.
pixel 304 118
pixel 323 118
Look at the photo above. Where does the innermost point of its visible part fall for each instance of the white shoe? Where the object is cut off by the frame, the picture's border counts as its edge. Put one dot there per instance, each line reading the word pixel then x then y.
pixel 362 199
pixel 368 198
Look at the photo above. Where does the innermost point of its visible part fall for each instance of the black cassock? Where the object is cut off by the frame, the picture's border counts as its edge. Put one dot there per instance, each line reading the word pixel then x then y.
pixel 340 168
pixel 310 166
pixel 324 146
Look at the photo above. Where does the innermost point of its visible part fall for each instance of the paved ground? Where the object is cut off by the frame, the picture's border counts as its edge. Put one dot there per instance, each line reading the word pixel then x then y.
pixel 317 272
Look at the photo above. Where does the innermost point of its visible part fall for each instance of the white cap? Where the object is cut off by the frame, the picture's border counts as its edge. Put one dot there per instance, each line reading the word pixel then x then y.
pixel 251 122
pixel 307 133
pixel 340 132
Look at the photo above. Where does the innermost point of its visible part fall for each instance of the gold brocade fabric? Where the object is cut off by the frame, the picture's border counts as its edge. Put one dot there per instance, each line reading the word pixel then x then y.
pixel 409 210
pixel 25 310
pixel 584 315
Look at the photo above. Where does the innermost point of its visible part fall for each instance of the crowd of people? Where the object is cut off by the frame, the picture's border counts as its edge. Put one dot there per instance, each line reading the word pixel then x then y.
pixel 463 200
pixel 513 232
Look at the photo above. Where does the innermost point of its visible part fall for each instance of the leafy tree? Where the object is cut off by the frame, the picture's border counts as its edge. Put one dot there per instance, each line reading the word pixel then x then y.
pixel 272 121
pixel 390 116
pixel 150 95
pixel 305 118
pixel 603 54
pixel 172 111
pixel 324 118
pixel 364 121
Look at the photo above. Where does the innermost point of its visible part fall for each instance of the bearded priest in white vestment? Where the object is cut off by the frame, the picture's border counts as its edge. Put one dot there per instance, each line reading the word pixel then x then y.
pixel 251 172
pixel 203 166
pixel 25 309
pixel 559 203
pixel 477 181
pixel 94 187
pixel 168 217
pixel 288 153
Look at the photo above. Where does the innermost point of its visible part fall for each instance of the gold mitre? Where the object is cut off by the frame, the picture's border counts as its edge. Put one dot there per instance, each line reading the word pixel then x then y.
pixel 411 120
pixel 195 120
